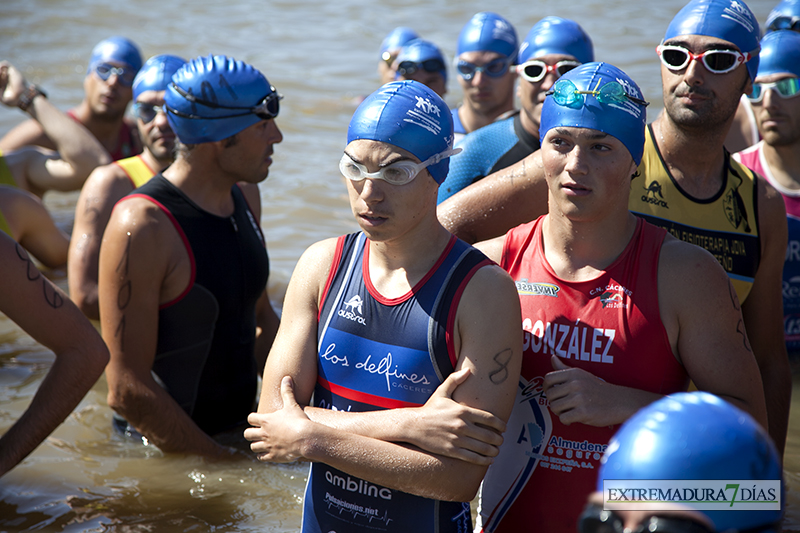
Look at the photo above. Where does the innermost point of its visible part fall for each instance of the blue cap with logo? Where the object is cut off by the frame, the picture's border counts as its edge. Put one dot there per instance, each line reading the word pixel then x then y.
pixel 695 436
pixel 615 105
pixel 156 74
pixel 409 115
pixel 729 20
pixel 419 50
pixel 212 98
pixel 780 53
pixel 397 38
pixel 116 50
pixel 784 16
pixel 555 35
pixel 490 32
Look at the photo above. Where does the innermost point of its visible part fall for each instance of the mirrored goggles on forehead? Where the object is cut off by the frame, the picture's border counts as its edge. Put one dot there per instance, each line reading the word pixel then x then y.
pixel 716 61
pixel 495 68
pixel 535 70
pixel 147 112
pixel 785 23
pixel 786 88
pixel 266 109
pixel 566 94
pixel 125 75
pixel 407 68
pixel 398 173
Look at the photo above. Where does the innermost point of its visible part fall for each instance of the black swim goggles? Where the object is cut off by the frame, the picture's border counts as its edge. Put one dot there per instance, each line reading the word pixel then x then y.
pixel 147 112
pixel 785 23
pixel 595 519
pixel 676 58
pixel 267 109
pixel 407 68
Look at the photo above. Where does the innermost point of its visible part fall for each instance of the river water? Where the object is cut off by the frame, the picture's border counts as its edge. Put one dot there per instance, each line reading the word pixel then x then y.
pixel 322 56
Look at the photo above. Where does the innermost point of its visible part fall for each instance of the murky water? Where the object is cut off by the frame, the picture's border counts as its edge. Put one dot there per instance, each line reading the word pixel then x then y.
pixel 321 56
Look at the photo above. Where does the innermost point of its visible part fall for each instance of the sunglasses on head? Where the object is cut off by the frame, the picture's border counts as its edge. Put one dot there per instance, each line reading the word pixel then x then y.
pixel 495 68
pixel 676 57
pixel 566 94
pixel 267 109
pixel 785 23
pixel 125 75
pixel 407 68
pixel 397 173
pixel 535 70
pixel 147 112
pixel 595 519
pixel 786 88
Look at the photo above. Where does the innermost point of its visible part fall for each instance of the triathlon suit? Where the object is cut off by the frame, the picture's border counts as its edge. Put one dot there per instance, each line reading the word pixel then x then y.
pixel 126 147
pixel 458 127
pixel 486 150
pixel 753 158
pixel 204 355
pixel 609 326
pixel 726 224
pixel 136 169
pixel 380 353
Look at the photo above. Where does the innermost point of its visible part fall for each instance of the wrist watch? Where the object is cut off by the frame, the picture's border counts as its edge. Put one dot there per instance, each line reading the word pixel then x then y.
pixel 26 99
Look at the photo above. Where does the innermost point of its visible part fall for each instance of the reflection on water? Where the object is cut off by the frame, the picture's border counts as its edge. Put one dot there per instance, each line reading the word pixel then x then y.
pixel 321 56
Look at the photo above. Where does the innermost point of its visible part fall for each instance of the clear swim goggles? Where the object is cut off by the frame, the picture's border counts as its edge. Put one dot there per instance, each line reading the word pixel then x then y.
pixel 566 94
pixel 494 69
pixel 125 75
pixel 398 173
pixel 786 88
pixel 676 57
pixel 535 70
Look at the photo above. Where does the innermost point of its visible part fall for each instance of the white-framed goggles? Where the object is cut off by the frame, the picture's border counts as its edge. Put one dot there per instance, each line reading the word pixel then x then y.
pixel 397 173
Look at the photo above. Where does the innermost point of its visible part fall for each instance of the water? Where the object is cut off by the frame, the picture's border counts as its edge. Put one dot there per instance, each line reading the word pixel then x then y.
pixel 321 55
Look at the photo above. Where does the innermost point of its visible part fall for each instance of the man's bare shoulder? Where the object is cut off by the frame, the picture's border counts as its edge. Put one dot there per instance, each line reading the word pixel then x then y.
pixel 771 207
pixel 686 269
pixel 136 216
pixel 489 295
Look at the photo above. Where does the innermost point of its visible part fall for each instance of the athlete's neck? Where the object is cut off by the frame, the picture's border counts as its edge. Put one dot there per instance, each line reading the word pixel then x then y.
pixel 195 177
pixel 155 164
pixel 580 250
pixel 473 118
pixel 784 163
pixel 105 128
pixel 696 159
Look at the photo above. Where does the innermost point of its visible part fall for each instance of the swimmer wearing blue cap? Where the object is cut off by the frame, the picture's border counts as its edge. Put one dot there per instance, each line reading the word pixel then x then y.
pixel 181 317
pixel 687 181
pixel 689 436
pixel 776 101
pixel 485 56
pixel 380 327
pixel 616 311
pixel 109 183
pixel 107 91
pixel 422 61
pixel 784 16
pixel 552 47
pixel 390 47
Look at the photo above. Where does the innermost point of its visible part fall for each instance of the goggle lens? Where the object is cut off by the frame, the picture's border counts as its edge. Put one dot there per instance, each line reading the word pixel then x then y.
pixel 785 23
pixel 398 173
pixel 786 88
pixel 566 94
pixel 147 112
pixel 407 68
pixel 595 519
pixel 125 75
pixel 535 71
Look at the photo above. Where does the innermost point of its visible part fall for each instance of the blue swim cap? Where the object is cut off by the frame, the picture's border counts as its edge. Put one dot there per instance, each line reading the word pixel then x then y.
pixel 729 20
pixel 488 31
pixel 695 436
pixel 554 35
pixel 409 115
pixel 784 10
pixel 419 50
pixel 397 38
pixel 780 53
pixel 118 50
pixel 234 86
pixel 156 74
pixel 624 120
